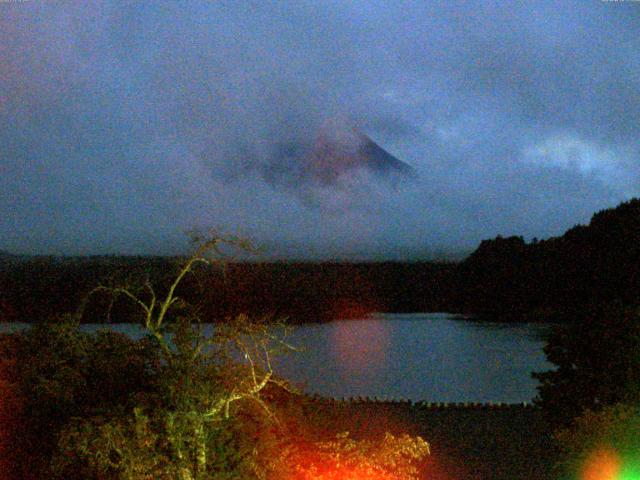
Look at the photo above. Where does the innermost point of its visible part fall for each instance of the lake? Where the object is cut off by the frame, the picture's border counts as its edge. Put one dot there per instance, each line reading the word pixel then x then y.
pixel 434 357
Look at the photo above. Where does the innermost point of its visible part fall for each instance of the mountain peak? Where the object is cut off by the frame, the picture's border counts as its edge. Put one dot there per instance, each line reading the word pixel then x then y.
pixel 334 154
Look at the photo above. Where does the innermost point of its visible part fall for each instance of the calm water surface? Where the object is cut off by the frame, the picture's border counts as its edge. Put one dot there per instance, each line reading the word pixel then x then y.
pixel 432 357
pixel 421 356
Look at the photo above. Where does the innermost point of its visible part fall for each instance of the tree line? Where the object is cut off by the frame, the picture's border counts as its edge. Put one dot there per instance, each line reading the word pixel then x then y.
pixel 33 289
pixel 505 278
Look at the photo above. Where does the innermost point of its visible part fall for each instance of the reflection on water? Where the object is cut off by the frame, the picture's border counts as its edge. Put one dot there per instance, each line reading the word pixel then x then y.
pixel 432 357
pixel 360 348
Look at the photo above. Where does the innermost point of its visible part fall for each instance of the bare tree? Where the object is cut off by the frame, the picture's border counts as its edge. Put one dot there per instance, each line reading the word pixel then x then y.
pixel 206 373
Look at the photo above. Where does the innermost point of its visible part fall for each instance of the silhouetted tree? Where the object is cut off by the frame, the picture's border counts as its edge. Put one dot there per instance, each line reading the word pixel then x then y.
pixel 597 363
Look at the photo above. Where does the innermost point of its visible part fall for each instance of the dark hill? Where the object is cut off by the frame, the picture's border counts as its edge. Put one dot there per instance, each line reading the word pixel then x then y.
pixel 588 265
pixel 505 278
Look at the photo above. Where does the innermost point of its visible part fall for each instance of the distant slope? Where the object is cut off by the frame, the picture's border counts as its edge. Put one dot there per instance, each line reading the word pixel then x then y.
pixel 331 157
pixel 378 160
pixel 588 265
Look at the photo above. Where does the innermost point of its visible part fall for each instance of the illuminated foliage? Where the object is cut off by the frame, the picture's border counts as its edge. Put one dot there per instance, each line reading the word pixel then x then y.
pixel 346 458
pixel 182 403
pixel 53 372
pixel 189 427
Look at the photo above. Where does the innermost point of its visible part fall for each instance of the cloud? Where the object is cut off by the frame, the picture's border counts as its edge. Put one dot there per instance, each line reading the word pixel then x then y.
pixel 123 124
pixel 587 158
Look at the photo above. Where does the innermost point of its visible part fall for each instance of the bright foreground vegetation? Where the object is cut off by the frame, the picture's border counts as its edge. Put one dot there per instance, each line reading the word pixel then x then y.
pixel 182 404
pixel 178 404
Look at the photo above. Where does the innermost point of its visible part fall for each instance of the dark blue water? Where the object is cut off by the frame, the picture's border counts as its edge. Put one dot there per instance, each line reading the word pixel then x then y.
pixel 432 357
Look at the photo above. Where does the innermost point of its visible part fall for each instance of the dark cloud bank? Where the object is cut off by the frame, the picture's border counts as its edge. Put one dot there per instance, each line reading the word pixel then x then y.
pixel 124 123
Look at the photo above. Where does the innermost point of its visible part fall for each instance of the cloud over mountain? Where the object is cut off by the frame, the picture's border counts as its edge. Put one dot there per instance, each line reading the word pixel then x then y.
pixel 122 124
pixel 336 152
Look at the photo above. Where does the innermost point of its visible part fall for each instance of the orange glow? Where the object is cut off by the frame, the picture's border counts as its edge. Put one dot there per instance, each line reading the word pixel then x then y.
pixel 330 471
pixel 602 464
pixel 348 309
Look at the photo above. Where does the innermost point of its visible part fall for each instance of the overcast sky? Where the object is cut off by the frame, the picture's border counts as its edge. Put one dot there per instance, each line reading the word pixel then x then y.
pixel 122 124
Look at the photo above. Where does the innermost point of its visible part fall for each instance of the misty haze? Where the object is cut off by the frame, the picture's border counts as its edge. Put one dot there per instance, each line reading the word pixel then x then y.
pixel 124 125
pixel 319 240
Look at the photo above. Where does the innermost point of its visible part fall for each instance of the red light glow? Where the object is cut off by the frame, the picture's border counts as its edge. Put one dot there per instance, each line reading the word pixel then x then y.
pixel 602 464
pixel 361 347
pixel 331 471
